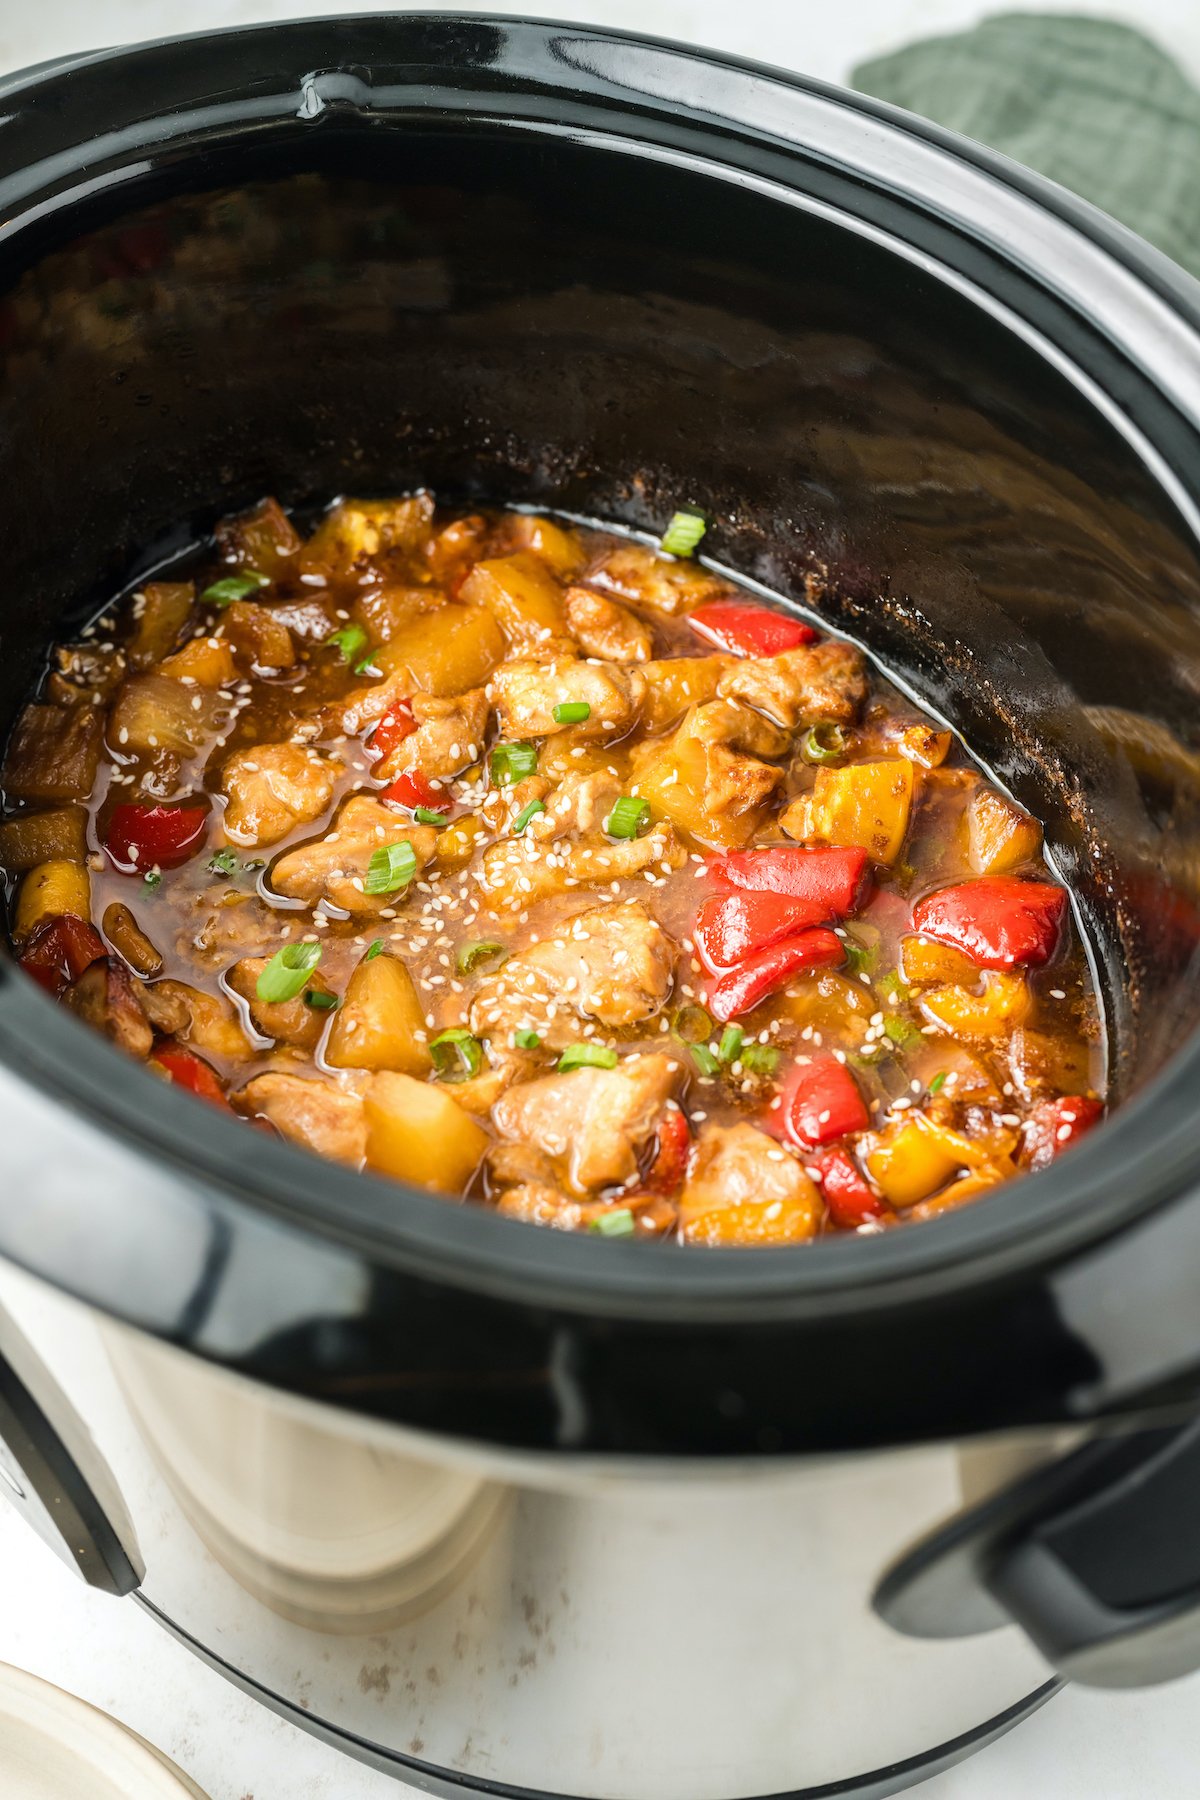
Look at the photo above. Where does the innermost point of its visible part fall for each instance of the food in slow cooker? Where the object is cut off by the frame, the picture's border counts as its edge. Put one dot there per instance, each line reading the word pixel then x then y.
pixel 550 870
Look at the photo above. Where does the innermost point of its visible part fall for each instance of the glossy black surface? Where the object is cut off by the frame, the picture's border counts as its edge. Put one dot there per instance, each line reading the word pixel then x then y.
pixel 556 265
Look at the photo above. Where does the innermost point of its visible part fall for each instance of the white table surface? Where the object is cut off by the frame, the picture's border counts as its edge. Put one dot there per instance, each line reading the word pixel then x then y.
pixel 1139 1746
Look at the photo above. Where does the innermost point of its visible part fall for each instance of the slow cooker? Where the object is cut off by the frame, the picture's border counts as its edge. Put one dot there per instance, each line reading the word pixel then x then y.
pixel 501 1510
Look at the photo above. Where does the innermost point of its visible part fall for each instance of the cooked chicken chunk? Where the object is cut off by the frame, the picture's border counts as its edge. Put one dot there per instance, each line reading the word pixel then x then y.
pixel 605 628
pixel 636 571
pixel 591 1122
pixel 365 706
pixel 272 788
pixel 660 849
pixel 579 804
pixel 292 1022
pixel 538 1203
pixel 742 1188
pixel 611 964
pixel 724 722
pixel 449 737
pixel 105 996
pixel 798 687
pixel 199 1019
pixel 525 694
pixel 334 868
pixel 317 1115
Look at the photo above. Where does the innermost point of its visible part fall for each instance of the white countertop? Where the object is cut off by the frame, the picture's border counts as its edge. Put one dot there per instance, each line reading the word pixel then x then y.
pixel 1082 1746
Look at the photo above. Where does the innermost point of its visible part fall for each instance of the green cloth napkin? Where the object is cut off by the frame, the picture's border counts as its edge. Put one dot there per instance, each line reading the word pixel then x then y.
pixel 1090 103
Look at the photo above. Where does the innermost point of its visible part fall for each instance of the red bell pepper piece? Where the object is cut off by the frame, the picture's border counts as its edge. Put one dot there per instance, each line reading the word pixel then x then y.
pixel 187 1071
pixel 998 921
pixel 396 724
pixel 749 630
pixel 728 930
pixel 829 879
pixel 1055 1125
pixel 671 1154
pixel 147 837
pixel 412 790
pixel 60 950
pixel 851 1199
pixel 819 1101
pixel 742 988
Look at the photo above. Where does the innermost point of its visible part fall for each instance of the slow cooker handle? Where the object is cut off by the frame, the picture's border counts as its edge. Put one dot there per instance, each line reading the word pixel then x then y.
pixel 55 1477
pixel 1096 1557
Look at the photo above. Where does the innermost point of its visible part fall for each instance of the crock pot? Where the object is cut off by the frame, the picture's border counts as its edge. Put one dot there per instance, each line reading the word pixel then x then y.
pixel 501 1510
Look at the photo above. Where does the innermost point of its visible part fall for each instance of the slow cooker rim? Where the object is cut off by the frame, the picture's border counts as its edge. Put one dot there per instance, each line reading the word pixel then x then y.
pixel 473 1248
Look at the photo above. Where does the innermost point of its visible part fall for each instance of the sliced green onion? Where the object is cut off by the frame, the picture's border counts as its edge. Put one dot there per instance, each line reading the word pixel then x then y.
pixel 825 743
pixel 152 880
pixel 572 712
pixel 704 1059
pixel 254 866
pixel 862 947
pixel 287 973
pixel 457 1054
pixel 526 1039
pixel 319 1000
pixel 627 816
pixel 366 664
pixel 901 1032
pixel 760 1059
pixel 684 532
pixel 512 762
pixel 894 983
pixel 618 1223
pixel 425 815
pixel 235 587
pixel 351 641
pixel 470 956
pixel 693 1024
pixel 526 813
pixel 938 1082
pixel 391 867
pixel 730 1044
pixel 587 1056
pixel 374 950
pixel 223 863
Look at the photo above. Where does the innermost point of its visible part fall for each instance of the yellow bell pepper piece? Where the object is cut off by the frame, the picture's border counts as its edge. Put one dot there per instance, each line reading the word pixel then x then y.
pixel 868 804
pixel 1003 1005
pixel 917 1157
pixel 1000 835
pixel 922 961
pixel 52 888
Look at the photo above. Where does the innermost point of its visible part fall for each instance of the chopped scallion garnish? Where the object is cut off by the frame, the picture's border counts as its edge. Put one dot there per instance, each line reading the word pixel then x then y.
pixel 900 1031
pixel 825 743
pixel 391 868
pixel 938 1082
pixel 512 762
pixel 572 712
pixel 351 641
pixel 366 664
pixel 223 863
pixel 457 1054
pixel 235 587
pixel 152 880
pixel 470 956
pixel 730 1044
pixel 627 816
pixel 526 1039
pixel 525 815
pixel 374 950
pixel 693 1023
pixel 704 1059
pixel 587 1056
pixel 425 815
pixel 615 1224
pixel 684 532
pixel 319 1000
pixel 760 1059
pixel 287 973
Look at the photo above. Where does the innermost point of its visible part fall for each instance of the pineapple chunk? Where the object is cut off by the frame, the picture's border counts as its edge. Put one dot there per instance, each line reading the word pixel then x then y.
pixel 417 1133
pixel 380 1024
